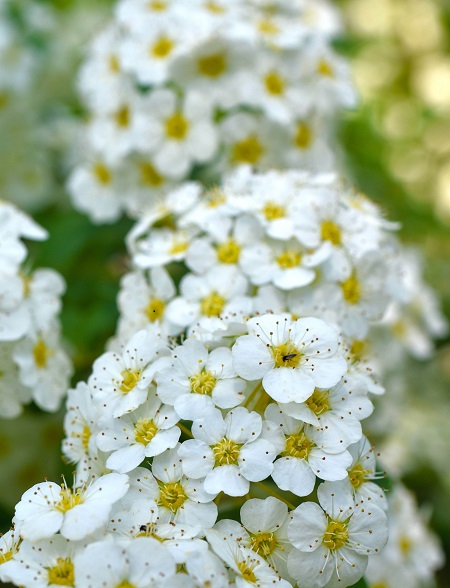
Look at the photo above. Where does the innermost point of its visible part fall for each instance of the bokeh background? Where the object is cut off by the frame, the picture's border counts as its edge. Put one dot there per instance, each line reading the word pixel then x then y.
pixel 395 148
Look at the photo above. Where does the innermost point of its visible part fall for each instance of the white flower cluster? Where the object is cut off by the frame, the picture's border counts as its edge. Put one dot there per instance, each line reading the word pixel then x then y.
pixel 33 366
pixel 412 554
pixel 250 412
pixel 177 90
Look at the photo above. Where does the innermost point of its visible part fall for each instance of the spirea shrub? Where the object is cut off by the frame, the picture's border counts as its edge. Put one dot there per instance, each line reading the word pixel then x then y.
pixel 177 90
pixel 33 363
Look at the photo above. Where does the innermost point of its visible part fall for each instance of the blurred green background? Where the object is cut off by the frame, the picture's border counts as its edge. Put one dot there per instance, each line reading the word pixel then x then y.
pixel 396 148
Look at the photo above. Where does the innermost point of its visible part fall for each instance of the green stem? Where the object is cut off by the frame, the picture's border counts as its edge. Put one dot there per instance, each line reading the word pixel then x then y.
pixel 252 394
pixel 185 430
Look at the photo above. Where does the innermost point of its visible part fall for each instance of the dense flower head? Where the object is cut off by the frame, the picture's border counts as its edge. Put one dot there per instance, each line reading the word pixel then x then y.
pixel 177 90
pixel 33 364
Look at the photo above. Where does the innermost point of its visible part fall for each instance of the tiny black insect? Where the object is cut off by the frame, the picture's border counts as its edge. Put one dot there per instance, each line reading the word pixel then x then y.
pixel 290 356
pixel 143 528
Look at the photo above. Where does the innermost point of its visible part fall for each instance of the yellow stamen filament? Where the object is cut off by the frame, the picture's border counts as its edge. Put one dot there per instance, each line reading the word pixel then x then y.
pixel 157 5
pixel 215 198
pixel 62 574
pixel 114 64
pixel 177 127
pixel 247 572
pixel 358 476
pixel 336 535
pixel 226 452
pixel 178 247
pixel 405 545
pixel 212 66
pixel 268 27
pixel 358 348
pixel 172 496
pixel 212 305
pixel 154 310
pixel 129 380
pixel 144 431
pixel 203 383
pixel 249 150
pixel 228 252
pixel 5 556
pixel 263 543
pixel 298 445
pixel 69 499
pixel 319 402
pixel 331 232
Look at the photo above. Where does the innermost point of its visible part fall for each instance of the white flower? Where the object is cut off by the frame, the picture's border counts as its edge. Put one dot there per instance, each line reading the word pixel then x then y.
pixel 302 458
pixel 120 382
pixel 291 357
pixel 250 568
pixel 142 562
pixel 47 508
pixel 228 452
pixel 179 499
pixel 336 413
pixel 9 545
pixel 333 544
pixel 197 381
pixel 12 392
pixel 145 432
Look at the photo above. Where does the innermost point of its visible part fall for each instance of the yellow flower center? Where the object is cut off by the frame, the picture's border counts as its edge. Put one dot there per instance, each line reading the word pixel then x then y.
pixel 319 402
pixel 226 452
pixel 331 232
pixel 215 8
pixel 178 247
pixel 272 211
pixel 399 329
pixel 85 436
pixel 62 574
pixel 114 64
pixel 69 499
pixel 298 445
pixel 203 383
pixel 247 572
pixel 274 83
pixel 154 310
pixel 162 48
pixel 303 136
pixel 358 348
pixel 102 174
pixel 215 198
pixel 129 380
pixel 212 305
pixel 268 27
pixel 144 431
pixel 289 259
pixel 149 530
pixel 125 584
pixel 286 355
pixel 122 117
pixel 177 127
pixel 405 545
pixel 325 69
pixel 249 150
pixel 150 176
pixel 379 585
pixel 351 290
pixel 336 535
pixel 263 543
pixel 358 475
pixel 212 66
pixel 41 354
pixel 228 252
pixel 157 5
pixel 172 496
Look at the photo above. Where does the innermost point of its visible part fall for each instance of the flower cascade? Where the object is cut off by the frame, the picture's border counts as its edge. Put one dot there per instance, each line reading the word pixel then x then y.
pixel 33 364
pixel 177 90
